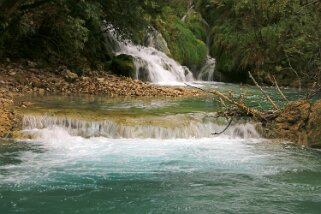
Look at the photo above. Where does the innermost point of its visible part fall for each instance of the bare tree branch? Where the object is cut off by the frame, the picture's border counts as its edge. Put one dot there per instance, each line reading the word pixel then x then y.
pixel 263 92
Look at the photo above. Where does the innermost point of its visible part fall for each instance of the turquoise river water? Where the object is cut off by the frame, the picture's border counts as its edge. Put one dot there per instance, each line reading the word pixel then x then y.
pixel 106 155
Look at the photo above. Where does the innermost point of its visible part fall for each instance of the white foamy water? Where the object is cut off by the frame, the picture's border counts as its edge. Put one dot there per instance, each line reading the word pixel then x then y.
pixel 153 64
pixel 62 154
pixel 196 127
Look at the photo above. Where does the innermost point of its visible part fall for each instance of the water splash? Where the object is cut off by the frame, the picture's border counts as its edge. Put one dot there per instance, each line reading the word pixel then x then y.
pixel 194 128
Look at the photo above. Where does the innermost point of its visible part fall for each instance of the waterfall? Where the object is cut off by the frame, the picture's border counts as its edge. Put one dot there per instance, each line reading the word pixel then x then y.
pixel 152 64
pixel 207 71
pixel 194 128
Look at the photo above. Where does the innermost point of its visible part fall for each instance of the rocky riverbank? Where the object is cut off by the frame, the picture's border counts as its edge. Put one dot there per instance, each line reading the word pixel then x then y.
pixel 29 78
pixel 18 79
pixel 8 119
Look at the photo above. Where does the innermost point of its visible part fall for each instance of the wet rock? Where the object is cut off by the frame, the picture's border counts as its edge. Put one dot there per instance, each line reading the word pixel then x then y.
pixel 123 65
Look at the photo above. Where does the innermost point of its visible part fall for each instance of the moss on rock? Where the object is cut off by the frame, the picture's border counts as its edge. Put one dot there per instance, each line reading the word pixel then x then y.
pixel 123 65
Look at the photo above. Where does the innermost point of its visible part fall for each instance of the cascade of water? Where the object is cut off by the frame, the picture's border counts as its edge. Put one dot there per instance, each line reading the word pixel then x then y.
pixel 207 71
pixel 153 64
pixel 193 129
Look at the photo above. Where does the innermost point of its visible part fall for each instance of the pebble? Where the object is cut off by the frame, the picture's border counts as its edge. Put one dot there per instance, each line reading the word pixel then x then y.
pixel 12 73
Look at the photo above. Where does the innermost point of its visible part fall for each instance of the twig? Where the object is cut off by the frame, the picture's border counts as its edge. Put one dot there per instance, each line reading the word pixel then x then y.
pixel 294 71
pixel 228 125
pixel 263 92
pixel 275 83
pixel 223 103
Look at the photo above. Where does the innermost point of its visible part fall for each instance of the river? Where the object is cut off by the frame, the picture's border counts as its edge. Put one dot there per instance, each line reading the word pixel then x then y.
pixel 92 154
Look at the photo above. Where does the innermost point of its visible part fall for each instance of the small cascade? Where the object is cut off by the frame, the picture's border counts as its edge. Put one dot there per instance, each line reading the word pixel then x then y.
pixel 152 64
pixel 198 128
pixel 207 71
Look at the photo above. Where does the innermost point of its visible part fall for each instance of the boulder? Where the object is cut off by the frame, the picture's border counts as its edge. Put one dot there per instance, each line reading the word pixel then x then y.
pixel 123 65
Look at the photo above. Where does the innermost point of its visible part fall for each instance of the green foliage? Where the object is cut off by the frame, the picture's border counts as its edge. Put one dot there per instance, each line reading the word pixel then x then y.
pixel 197 25
pixel 68 31
pixel 185 47
pixel 278 37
